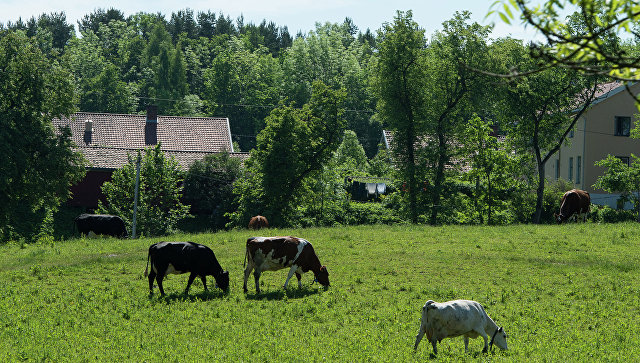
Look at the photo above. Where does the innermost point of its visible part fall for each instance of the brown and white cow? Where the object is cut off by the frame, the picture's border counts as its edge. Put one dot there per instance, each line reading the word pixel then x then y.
pixel 275 253
pixel 575 203
pixel 258 222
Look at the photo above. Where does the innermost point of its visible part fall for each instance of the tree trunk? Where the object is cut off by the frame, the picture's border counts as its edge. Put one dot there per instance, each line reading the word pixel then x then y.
pixel 540 194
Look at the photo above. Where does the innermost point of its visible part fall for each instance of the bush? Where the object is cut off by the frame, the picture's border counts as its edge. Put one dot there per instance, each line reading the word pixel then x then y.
pixel 208 188
pixel 159 199
pixel 606 214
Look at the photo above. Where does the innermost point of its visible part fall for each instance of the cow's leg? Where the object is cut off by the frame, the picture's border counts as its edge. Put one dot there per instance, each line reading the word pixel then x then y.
pixel 256 276
pixel 434 341
pixel 292 270
pixel 466 344
pixel 486 341
pixel 204 282
pixel 161 271
pixel 159 278
pixel 418 337
pixel 299 280
pixel 247 272
pixel 192 277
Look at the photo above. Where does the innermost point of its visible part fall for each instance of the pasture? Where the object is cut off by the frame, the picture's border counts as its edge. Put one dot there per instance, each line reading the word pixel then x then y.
pixel 569 292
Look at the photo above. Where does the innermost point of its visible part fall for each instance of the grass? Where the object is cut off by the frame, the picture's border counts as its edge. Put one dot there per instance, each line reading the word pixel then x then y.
pixel 569 292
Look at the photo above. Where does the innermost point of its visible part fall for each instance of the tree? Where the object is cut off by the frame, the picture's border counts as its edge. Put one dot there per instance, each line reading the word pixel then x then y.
pixel 541 108
pixel 293 147
pixel 331 55
pixel 244 86
pixel 160 192
pixel 208 187
pixel 493 169
pixel 399 84
pixel 98 17
pixel 621 178
pixel 37 166
pixel 588 50
pixel 453 93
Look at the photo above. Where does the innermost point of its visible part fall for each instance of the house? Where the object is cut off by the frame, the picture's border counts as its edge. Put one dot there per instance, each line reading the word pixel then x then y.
pixel 602 130
pixel 106 140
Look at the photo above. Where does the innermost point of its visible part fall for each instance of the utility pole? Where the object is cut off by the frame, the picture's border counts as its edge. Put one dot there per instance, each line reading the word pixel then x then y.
pixel 135 198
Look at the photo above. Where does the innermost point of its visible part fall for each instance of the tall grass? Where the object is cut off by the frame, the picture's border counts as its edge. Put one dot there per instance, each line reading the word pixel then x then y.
pixel 569 292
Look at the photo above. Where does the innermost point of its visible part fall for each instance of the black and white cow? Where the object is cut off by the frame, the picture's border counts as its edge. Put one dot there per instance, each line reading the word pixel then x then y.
pixel 105 224
pixel 182 257
pixel 275 253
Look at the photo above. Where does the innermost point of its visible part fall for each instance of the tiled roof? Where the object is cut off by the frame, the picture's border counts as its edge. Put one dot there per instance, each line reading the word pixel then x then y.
pixel 116 158
pixel 116 135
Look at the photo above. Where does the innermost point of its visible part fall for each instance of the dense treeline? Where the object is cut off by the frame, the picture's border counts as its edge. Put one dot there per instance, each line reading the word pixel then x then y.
pixel 311 109
pixel 207 64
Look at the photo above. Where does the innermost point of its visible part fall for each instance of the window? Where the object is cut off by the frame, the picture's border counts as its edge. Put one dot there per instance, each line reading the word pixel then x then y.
pixel 622 126
pixel 571 169
pixel 557 169
pixel 624 159
pixel 578 169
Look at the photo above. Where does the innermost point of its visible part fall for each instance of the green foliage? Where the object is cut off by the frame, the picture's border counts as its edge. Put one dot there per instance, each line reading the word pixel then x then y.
pixel 590 50
pixel 208 188
pixel 37 166
pixel 87 300
pixel 621 178
pixel 399 82
pixel 606 214
pixel 159 200
pixel 494 170
pixel 292 148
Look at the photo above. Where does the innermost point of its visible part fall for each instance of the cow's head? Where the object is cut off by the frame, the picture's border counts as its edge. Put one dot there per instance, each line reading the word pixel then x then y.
pixel 558 217
pixel 323 276
pixel 223 280
pixel 499 338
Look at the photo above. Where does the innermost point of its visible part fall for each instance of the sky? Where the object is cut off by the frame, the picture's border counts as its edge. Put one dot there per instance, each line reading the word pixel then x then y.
pixel 297 15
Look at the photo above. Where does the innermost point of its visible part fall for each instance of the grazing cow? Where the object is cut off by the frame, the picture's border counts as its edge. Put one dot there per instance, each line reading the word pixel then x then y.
pixel 575 203
pixel 275 253
pixel 455 318
pixel 101 224
pixel 258 222
pixel 181 257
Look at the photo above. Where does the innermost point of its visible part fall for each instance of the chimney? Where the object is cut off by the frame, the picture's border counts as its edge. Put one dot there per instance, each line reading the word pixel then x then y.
pixel 151 126
pixel 88 131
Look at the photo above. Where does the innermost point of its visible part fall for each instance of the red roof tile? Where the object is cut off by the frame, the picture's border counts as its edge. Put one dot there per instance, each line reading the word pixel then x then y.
pixel 115 135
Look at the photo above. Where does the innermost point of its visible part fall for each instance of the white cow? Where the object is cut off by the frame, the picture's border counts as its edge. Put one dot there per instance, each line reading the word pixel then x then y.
pixel 459 317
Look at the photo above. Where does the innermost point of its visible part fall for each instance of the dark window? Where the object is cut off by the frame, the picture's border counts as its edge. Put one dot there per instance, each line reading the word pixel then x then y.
pixel 571 134
pixel 624 159
pixel 622 125
pixel 578 169
pixel 557 169
pixel 571 169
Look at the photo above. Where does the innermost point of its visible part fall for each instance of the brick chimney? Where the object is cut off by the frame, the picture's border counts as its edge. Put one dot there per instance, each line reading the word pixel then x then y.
pixel 88 131
pixel 151 126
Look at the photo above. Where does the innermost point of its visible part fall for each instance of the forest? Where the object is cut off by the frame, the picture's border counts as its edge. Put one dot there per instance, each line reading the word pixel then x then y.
pixel 469 143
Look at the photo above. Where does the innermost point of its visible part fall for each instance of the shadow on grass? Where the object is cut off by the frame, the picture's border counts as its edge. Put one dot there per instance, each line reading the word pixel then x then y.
pixel 181 296
pixel 280 294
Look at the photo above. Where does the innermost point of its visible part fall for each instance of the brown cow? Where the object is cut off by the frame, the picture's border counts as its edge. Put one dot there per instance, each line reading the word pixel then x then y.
pixel 275 253
pixel 574 203
pixel 258 222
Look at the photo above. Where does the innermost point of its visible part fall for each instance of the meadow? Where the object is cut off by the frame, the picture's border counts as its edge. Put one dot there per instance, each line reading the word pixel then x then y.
pixel 562 293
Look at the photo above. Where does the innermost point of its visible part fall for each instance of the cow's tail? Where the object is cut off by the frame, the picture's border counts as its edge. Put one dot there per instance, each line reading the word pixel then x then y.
pixel 146 269
pixel 246 255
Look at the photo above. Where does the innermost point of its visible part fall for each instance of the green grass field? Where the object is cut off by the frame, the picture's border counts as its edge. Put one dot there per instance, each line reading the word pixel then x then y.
pixel 563 293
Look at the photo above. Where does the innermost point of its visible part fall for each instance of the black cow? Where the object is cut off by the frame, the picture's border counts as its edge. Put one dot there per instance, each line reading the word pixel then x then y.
pixel 181 257
pixel 101 224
